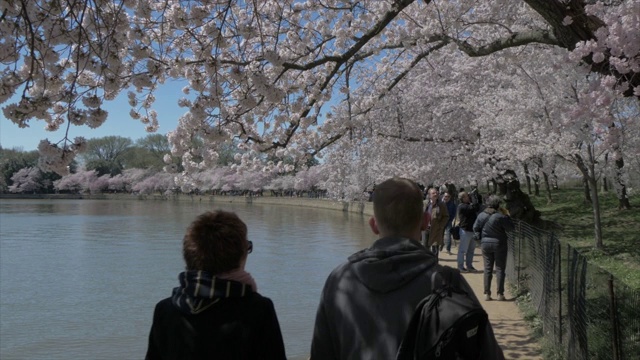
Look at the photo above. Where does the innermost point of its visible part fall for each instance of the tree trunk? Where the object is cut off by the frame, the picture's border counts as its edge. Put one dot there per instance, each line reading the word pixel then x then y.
pixel 517 202
pixel 536 185
pixel 605 185
pixel 555 179
pixel 619 185
pixel 596 209
pixel 588 174
pixel 547 187
pixel 587 192
pixel 527 177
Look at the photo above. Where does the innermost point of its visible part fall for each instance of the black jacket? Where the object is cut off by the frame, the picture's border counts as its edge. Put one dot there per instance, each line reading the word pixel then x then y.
pixel 367 302
pixel 243 327
pixel 467 214
pixel 491 226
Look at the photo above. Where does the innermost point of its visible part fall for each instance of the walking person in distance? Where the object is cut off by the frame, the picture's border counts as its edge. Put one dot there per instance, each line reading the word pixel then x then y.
pixel 467 213
pixel 491 228
pixel 439 216
pixel 452 208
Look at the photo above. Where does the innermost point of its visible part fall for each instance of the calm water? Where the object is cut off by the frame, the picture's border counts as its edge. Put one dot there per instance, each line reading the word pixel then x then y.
pixel 79 278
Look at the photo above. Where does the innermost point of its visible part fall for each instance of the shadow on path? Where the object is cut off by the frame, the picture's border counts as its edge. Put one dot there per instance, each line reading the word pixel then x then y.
pixel 508 324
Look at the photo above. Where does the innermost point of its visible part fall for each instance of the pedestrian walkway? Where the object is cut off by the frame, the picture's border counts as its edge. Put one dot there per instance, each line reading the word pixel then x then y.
pixel 510 328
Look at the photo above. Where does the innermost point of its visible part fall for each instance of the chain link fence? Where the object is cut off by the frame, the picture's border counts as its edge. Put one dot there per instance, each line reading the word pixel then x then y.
pixel 584 310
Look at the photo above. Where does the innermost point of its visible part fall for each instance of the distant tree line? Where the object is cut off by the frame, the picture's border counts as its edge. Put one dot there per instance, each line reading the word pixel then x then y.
pixel 115 164
pixel 107 155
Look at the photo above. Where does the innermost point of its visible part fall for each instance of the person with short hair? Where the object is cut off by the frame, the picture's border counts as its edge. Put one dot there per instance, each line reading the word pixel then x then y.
pixel 491 228
pixel 467 213
pixel 368 301
pixel 216 311
pixel 439 218
pixel 476 197
pixel 452 208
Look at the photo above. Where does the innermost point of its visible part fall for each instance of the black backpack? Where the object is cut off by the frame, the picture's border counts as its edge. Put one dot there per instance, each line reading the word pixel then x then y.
pixel 447 324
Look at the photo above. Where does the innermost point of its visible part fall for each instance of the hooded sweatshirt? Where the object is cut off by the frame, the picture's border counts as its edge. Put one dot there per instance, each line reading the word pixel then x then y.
pixel 368 301
pixel 212 318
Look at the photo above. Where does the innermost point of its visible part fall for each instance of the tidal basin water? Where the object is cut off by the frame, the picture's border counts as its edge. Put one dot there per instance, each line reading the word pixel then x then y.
pixel 79 278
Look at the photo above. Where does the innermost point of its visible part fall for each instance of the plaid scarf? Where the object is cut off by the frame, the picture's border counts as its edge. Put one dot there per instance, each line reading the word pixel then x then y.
pixel 199 290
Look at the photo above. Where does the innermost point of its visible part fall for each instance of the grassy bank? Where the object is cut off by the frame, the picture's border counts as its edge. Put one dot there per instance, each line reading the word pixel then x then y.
pixel 620 230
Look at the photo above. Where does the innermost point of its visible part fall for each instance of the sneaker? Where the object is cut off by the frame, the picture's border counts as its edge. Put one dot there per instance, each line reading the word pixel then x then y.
pixel 472 269
pixel 449 253
pixel 463 270
pixel 487 297
pixel 501 297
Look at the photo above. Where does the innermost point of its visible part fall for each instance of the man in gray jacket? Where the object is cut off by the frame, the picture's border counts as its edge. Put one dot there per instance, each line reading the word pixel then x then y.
pixel 368 301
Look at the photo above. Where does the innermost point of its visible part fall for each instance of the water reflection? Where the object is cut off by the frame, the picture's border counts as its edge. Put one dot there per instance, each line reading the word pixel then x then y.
pixel 79 278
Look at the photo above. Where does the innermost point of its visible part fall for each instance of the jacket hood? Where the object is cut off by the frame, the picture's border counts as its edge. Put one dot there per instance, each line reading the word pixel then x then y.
pixel 390 263
pixel 199 290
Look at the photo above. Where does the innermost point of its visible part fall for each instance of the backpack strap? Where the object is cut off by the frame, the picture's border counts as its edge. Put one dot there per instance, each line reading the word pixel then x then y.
pixel 449 276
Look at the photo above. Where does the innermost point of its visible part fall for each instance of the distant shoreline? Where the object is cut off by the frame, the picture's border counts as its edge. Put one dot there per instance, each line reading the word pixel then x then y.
pixel 352 207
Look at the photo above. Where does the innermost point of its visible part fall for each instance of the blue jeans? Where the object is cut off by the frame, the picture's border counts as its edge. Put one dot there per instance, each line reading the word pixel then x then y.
pixel 466 248
pixel 447 238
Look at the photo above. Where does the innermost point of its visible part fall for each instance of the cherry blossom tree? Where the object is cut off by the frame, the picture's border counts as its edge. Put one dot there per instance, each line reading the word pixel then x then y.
pixel 100 184
pixel 160 183
pixel 12 160
pixel 265 72
pixel 129 178
pixel 625 147
pixel 253 180
pixel 311 179
pixel 26 180
pixel 434 90
pixel 79 182
pixel 117 184
pixel 212 180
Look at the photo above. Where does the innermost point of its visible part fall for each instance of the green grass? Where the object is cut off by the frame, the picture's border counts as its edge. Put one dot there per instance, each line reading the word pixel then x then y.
pixel 620 230
pixel 550 351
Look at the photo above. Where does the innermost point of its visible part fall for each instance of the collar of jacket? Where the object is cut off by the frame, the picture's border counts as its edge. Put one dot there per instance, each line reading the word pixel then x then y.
pixel 390 263
pixel 199 290
pixel 490 211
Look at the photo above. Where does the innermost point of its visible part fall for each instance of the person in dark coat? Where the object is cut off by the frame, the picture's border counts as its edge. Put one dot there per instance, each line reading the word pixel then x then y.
pixel 367 302
pixel 439 216
pixel 452 208
pixel 466 214
pixel 491 228
pixel 476 198
pixel 216 312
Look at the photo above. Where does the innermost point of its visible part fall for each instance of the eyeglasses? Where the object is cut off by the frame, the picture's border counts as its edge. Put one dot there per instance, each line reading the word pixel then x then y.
pixel 250 247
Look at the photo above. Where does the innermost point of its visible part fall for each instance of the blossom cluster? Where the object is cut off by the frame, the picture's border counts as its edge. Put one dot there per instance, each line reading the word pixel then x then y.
pixel 483 85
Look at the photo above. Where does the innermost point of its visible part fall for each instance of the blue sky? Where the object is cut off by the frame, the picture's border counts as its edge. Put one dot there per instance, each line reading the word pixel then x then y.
pixel 118 123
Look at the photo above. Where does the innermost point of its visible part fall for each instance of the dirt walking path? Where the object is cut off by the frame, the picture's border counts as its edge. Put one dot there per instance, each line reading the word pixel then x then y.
pixel 511 330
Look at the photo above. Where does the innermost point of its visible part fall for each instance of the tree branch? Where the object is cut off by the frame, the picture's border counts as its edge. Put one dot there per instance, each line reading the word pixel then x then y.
pixel 375 30
pixel 452 140
pixel 516 39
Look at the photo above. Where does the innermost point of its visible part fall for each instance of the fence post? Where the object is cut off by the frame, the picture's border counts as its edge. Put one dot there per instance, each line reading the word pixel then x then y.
pixel 518 263
pixel 570 299
pixel 559 292
pixel 614 320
